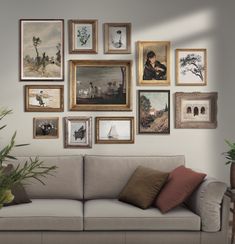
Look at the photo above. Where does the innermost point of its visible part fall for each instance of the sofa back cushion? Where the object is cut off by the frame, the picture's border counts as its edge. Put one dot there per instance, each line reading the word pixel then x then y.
pixel 67 181
pixel 105 176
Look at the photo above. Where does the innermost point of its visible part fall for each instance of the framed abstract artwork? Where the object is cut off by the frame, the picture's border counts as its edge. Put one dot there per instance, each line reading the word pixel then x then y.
pixel 41 50
pixel 153 63
pixel 117 38
pixel 196 110
pixel 44 98
pixel 77 132
pixel 83 36
pixel 191 67
pixel 154 111
pixel 100 85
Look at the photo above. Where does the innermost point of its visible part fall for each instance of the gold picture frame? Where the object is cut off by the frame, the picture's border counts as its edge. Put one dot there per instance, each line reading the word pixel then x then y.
pixel 114 130
pixel 153 63
pixel 100 85
pixel 83 36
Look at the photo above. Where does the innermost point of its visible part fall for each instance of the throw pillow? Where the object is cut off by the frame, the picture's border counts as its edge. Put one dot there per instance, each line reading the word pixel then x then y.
pixel 180 185
pixel 143 187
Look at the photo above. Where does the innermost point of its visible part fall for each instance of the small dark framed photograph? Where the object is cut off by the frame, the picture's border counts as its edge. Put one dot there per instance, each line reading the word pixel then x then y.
pixel 42 50
pixel 154 111
pixel 44 98
pixel 46 128
pixel 114 130
pixel 77 132
pixel 117 38
pixel 83 36
pixel 196 110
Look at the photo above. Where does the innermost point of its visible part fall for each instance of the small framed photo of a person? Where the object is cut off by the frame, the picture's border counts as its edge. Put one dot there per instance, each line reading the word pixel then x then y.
pixel 117 38
pixel 154 111
pixel 41 50
pixel 103 85
pixel 196 110
pixel 114 130
pixel 46 128
pixel 191 67
pixel 154 63
pixel 44 98
pixel 83 36
pixel 77 132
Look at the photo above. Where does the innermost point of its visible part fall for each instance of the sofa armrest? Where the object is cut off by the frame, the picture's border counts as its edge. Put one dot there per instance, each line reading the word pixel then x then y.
pixel 206 202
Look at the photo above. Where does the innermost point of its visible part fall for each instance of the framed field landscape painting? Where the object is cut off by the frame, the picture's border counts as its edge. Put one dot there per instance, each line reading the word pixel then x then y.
pixel 100 85
pixel 41 50
pixel 154 111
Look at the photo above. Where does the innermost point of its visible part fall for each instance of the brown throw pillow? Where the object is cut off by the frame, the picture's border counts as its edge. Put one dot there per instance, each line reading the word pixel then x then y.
pixel 180 185
pixel 20 195
pixel 143 187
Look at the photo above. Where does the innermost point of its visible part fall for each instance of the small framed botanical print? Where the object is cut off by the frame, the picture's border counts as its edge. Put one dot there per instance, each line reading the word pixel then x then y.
pixel 117 38
pixel 83 36
pixel 114 130
pixel 46 128
pixel 191 67
pixel 41 49
pixel 154 63
pixel 44 98
pixel 154 111
pixel 196 110
pixel 77 132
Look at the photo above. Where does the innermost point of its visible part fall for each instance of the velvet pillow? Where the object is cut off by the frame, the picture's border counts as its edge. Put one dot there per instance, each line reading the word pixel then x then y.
pixel 180 185
pixel 143 187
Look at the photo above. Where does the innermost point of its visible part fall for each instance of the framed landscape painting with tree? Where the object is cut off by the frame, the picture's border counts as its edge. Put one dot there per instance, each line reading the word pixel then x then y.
pixel 191 67
pixel 41 49
pixel 154 111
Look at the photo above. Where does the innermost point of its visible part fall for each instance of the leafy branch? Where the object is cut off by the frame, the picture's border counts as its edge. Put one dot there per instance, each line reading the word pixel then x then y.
pixel 230 155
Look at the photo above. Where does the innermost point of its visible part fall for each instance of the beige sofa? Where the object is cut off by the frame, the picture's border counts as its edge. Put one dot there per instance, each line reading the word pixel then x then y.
pixel 79 206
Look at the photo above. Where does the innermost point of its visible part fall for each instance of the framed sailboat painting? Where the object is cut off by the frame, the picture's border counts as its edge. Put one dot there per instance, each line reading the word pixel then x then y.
pixel 114 130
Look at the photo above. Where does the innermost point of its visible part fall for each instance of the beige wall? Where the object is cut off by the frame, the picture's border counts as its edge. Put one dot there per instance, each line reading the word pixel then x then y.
pixel 186 23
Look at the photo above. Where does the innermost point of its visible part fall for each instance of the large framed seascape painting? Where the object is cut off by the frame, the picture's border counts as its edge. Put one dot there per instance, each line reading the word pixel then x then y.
pixel 154 111
pixel 83 36
pixel 153 62
pixel 196 110
pixel 100 85
pixel 191 67
pixel 41 49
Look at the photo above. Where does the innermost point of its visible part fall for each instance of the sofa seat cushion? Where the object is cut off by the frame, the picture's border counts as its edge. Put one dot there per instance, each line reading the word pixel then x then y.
pixel 43 214
pixel 111 214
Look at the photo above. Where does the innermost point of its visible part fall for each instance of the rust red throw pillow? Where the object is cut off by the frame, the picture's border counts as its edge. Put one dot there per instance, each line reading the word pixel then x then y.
pixel 180 185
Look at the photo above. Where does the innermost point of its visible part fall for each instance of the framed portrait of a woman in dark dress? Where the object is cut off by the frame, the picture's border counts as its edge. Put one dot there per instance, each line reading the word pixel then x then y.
pixel 154 63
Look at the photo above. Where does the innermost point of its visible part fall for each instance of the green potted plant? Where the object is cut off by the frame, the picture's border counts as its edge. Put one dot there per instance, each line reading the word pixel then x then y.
pixel 33 168
pixel 230 156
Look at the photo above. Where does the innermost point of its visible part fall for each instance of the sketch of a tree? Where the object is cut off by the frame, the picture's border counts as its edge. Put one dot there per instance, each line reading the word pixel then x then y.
pixel 145 104
pixel 192 63
pixel 58 53
pixel 36 42
pixel 83 35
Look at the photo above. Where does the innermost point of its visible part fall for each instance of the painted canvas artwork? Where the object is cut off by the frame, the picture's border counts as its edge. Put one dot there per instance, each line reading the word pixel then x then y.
pixel 83 36
pixel 117 38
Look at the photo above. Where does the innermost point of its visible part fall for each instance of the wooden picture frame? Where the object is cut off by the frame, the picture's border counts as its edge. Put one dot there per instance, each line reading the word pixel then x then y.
pixel 154 111
pixel 83 36
pixel 117 38
pixel 44 98
pixel 191 67
pixel 114 130
pixel 100 85
pixel 46 127
pixel 41 62
pixel 196 110
pixel 78 132
pixel 153 63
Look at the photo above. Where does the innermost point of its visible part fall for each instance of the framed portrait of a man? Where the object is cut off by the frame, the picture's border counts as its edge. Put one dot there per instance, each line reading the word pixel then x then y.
pixel 154 62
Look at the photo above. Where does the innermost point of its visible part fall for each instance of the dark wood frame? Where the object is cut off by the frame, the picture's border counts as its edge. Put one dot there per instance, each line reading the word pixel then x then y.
pixel 212 96
pixel 43 109
pixel 132 133
pixel 169 110
pixel 94 49
pixel 21 51
pixel 99 107
pixel 107 50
